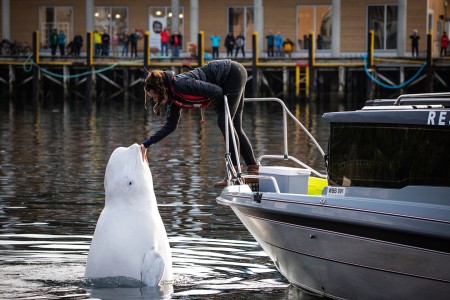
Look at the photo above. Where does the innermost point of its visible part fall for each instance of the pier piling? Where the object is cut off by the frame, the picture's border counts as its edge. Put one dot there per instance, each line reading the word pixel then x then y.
pixel 90 77
pixel 255 64
pixel 430 71
pixel 35 69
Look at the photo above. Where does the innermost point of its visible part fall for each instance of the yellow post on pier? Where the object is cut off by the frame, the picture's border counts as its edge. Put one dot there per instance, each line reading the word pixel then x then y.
pixel 147 49
pixel 201 48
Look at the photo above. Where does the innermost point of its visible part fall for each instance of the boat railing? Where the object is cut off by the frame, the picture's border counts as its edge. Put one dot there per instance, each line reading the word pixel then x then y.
pixel 443 97
pixel 231 172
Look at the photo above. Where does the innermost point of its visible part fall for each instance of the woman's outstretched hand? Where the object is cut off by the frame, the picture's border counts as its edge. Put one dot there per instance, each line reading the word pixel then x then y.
pixel 144 152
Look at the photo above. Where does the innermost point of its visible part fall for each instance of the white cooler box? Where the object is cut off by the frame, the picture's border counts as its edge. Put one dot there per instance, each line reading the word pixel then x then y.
pixel 290 180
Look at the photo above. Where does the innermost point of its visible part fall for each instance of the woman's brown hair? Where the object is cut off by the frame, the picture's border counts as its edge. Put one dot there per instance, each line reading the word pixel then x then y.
pixel 155 82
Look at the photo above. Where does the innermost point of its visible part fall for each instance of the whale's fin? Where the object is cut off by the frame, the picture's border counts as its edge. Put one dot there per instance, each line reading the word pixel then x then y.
pixel 152 268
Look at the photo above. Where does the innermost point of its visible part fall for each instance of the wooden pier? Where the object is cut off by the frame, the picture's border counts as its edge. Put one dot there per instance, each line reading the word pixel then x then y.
pixel 300 76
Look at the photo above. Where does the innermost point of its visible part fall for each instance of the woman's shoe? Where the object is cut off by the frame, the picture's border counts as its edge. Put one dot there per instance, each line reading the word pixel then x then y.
pixel 252 170
pixel 223 183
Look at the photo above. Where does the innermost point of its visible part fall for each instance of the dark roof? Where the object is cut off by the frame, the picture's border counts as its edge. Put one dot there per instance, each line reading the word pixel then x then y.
pixel 393 115
pixel 418 109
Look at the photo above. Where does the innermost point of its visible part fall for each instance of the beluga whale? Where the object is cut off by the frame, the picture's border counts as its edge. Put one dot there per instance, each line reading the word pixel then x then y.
pixel 130 239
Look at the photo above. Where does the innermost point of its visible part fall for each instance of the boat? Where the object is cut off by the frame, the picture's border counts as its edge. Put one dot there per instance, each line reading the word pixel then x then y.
pixel 375 224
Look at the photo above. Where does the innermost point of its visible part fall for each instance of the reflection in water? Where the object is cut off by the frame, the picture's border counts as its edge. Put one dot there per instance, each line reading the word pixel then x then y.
pixel 52 163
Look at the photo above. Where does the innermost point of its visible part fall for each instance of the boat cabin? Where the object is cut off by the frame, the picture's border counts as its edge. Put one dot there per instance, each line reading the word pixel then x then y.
pixel 390 144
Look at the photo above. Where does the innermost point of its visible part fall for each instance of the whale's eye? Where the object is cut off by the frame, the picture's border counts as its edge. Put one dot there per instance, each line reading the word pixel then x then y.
pixel 130 183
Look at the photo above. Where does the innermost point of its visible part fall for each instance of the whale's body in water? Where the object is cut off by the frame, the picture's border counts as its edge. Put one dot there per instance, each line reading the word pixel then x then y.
pixel 130 239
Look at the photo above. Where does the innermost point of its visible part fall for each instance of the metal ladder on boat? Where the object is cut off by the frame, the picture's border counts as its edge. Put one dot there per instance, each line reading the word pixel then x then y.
pixel 232 173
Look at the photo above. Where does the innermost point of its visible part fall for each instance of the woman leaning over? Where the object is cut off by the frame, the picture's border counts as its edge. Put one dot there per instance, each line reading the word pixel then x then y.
pixel 198 88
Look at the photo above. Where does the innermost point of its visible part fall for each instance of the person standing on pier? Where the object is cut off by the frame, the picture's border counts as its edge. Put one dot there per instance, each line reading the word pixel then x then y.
pixel 288 46
pixel 165 37
pixel 176 40
pixel 62 43
pixel 230 41
pixel 77 44
pixel 444 44
pixel 115 44
pixel 270 43
pixel 278 44
pixel 415 43
pixel 134 36
pixel 106 40
pixel 240 45
pixel 215 43
pixel 319 42
pixel 97 42
pixel 123 43
pixel 54 41
pixel 197 89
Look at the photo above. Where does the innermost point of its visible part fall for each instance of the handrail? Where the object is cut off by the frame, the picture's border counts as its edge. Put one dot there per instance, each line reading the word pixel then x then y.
pixel 286 156
pixel 399 99
pixel 271 178
pixel 228 121
pixel 286 110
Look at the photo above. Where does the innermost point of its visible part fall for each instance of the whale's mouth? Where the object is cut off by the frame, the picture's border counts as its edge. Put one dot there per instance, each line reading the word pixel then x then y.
pixel 140 158
pixel 145 156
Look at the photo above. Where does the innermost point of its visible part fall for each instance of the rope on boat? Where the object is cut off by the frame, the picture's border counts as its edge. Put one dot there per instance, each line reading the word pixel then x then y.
pixel 398 86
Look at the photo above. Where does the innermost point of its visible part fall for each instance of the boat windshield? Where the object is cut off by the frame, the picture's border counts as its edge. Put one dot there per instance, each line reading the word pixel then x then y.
pixel 388 155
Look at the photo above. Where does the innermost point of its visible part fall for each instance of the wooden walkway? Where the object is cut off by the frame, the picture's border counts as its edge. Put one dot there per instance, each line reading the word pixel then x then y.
pixel 305 73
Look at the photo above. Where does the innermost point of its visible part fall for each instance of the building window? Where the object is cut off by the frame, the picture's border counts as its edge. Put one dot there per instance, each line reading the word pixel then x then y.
pixel 160 17
pixel 240 21
pixel 113 20
pixel 382 19
pixel 54 17
pixel 314 19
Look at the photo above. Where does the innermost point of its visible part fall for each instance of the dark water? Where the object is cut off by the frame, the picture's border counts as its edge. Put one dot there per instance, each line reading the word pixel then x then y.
pixel 52 163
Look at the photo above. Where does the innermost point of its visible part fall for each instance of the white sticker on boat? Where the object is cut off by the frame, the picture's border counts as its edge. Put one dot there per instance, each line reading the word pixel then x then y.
pixel 336 191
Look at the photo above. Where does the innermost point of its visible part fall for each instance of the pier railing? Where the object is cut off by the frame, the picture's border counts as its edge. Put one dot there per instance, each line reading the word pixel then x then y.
pixel 305 67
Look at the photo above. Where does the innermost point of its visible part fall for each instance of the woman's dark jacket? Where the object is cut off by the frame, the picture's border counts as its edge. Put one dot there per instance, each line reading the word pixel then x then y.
pixel 204 81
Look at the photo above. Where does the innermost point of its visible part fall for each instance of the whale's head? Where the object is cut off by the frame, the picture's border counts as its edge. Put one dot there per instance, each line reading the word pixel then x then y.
pixel 127 177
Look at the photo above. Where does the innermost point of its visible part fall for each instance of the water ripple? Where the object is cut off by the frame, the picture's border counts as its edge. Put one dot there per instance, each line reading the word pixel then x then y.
pixel 51 195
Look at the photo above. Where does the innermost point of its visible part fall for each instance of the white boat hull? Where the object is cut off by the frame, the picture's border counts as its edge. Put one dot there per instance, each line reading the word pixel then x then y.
pixel 339 264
